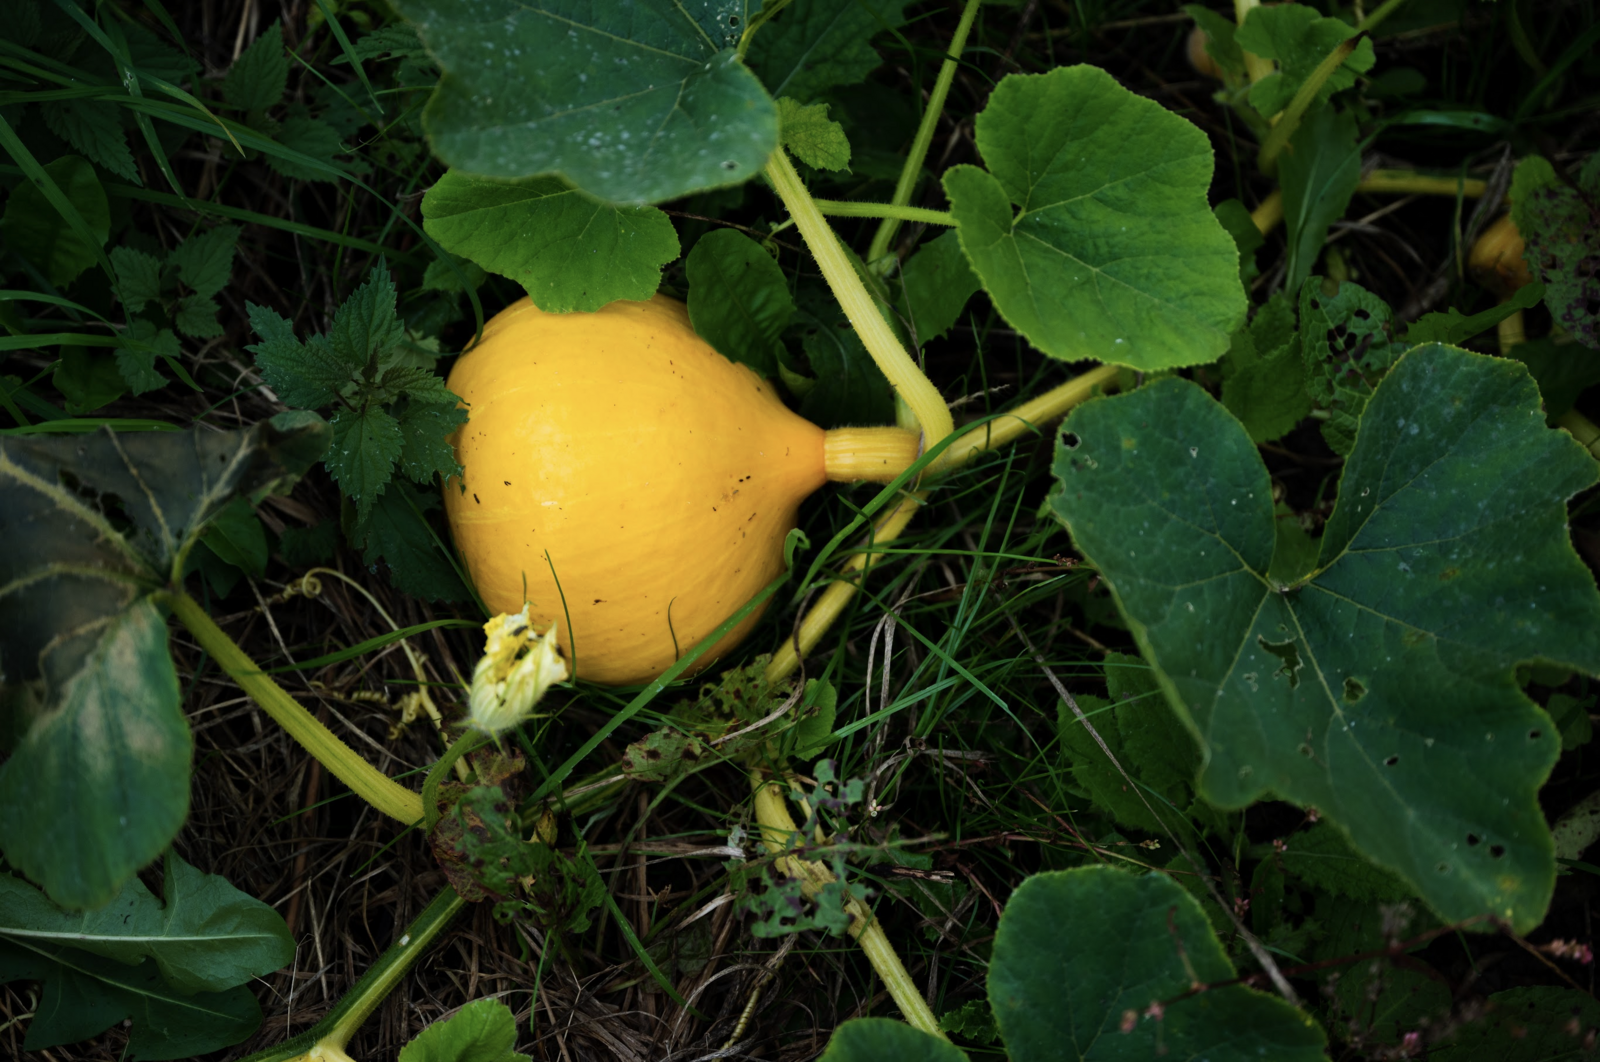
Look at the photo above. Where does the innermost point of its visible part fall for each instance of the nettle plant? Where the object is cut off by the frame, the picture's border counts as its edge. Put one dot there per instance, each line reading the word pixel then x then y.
pixel 1374 675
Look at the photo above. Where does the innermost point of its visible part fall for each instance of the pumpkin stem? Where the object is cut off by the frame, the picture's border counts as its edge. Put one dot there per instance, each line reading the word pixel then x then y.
pixel 877 455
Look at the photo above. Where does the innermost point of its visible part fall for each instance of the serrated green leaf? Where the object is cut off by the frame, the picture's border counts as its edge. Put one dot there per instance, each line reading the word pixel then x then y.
pixel 88 378
pixel 1114 253
pixel 1264 375
pixel 204 935
pixel 1543 1024
pixel 569 251
pixel 84 995
pixel 34 229
pixel 196 316
pixel 302 547
pixel 936 283
pixel 1322 858
pixel 204 261
pixel 811 137
pixel 1062 985
pixel 631 104
pixel 361 457
pixel 151 55
pixel 235 534
pixel 739 299
pixel 819 708
pixel 137 351
pixel 258 78
pixel 309 375
pixel 1380 690
pixel 138 277
pixel 1319 172
pixel 888 1040
pixel 1561 232
pixel 94 129
pixel 1299 38
pixel 425 450
pixel 99 784
pixel 419 383
pixel 365 326
pixel 308 136
pixel 482 1031
pixel 812 47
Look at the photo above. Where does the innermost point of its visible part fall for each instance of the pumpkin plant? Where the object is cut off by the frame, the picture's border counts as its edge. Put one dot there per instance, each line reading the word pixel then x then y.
pixel 622 465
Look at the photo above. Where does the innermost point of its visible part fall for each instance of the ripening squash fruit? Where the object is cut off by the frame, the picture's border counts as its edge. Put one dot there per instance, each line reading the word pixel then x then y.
pixel 1497 260
pixel 619 454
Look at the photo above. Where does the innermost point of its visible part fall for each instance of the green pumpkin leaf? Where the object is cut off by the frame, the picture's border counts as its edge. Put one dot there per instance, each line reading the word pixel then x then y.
pixel 888 1040
pixel 1264 375
pixel 568 250
pixel 1322 858
pixel 1066 986
pixel 84 995
pixel 1113 252
pixel 1346 343
pixel 634 104
pixel 482 1031
pixel 34 229
pixel 739 299
pixel 204 935
pixel 810 47
pixel 93 524
pixel 235 534
pixel 936 284
pixel 88 378
pixel 1380 689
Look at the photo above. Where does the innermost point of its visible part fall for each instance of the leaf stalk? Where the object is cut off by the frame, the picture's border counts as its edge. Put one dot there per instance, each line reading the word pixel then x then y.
pixel 912 169
pixel 904 376
pixel 365 780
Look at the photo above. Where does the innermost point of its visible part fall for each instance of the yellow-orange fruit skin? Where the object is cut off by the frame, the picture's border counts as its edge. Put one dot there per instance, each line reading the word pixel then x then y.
pixel 660 478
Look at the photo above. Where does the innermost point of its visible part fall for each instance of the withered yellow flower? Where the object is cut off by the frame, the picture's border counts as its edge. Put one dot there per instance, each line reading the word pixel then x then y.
pixel 517 666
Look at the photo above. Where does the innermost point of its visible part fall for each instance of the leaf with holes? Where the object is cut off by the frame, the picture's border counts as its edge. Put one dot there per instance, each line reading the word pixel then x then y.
pixel 1380 688
pixel 1560 225
pixel 1091 230
pixel 632 103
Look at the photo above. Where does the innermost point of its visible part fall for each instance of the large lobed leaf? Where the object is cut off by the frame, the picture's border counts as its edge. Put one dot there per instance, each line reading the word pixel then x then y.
pixel 1113 252
pixel 631 102
pixel 1380 688
pixel 91 526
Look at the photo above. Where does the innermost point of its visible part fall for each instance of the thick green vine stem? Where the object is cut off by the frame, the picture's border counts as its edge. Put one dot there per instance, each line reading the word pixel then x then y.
pixel 919 146
pixel 347 765
pixel 326 1041
pixel 777 829
pixel 430 786
pixel 880 341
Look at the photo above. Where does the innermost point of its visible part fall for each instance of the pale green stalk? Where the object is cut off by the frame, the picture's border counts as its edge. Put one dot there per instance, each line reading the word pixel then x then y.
pixel 343 762
pixel 924 138
pixel 880 341
pixel 843 208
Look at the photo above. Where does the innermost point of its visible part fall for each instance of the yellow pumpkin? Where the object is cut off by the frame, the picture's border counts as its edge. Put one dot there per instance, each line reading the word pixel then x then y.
pixel 630 483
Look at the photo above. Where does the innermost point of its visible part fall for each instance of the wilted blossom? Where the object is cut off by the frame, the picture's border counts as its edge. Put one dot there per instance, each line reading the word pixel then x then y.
pixel 517 666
